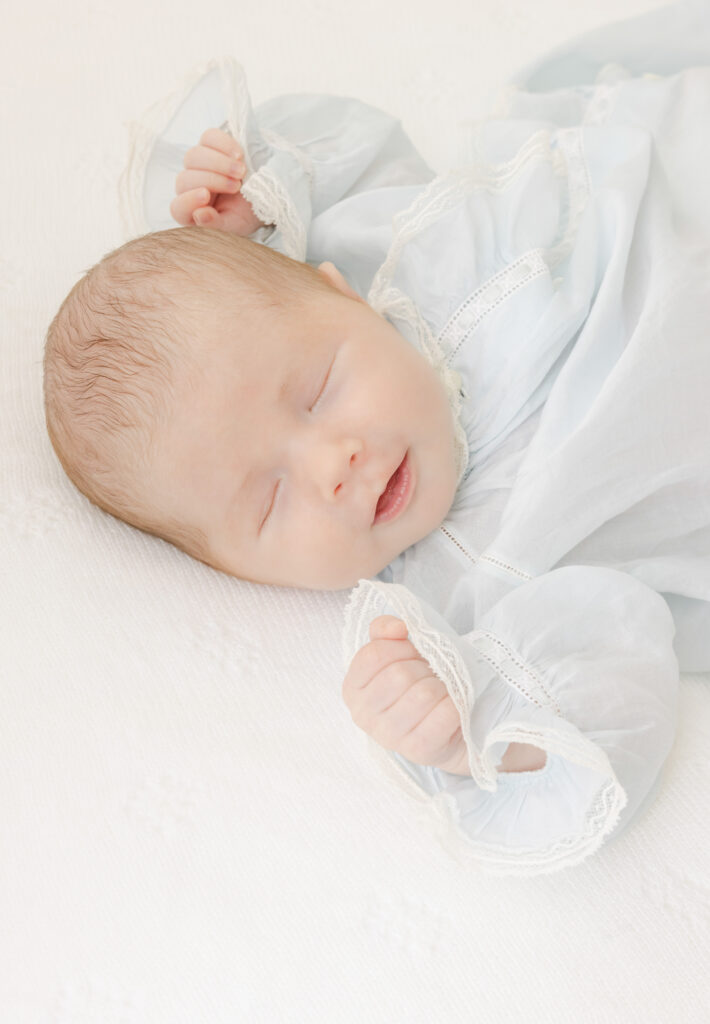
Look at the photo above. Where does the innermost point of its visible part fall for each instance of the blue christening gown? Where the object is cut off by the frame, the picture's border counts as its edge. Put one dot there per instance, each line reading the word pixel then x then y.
pixel 560 283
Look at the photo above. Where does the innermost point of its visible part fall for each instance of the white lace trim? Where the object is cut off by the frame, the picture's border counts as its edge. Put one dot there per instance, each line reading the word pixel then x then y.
pixel 398 306
pixel 236 96
pixel 563 149
pixel 435 199
pixel 371 598
pixel 269 199
pixel 565 153
pixel 570 161
pixel 492 293
pixel 446 191
pixel 601 818
pixel 443 657
pixel 513 669
pixel 272 204
pixel 512 570
pixel 142 136
pixel 277 141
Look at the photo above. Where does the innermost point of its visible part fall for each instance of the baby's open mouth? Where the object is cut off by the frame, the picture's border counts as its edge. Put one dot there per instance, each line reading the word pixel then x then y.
pixel 395 497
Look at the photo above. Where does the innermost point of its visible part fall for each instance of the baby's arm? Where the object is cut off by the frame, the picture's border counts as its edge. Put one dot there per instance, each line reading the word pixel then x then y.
pixel 208 189
pixel 393 696
pixel 566 689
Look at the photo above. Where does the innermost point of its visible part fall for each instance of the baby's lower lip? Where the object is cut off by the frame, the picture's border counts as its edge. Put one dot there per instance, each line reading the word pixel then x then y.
pixel 397 494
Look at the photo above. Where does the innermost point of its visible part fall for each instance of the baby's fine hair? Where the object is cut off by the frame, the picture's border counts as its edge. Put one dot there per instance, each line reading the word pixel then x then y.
pixel 113 345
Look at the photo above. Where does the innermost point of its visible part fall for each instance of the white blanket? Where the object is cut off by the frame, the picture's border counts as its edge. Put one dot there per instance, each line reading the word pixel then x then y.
pixel 192 830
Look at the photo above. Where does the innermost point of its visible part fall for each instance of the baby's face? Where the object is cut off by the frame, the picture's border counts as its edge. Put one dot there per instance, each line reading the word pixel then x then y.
pixel 283 445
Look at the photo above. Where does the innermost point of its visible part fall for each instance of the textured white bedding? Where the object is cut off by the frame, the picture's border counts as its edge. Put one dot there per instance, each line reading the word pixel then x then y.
pixel 191 829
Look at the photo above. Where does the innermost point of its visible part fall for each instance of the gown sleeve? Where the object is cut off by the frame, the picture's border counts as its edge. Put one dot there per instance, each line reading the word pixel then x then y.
pixel 303 153
pixel 578 662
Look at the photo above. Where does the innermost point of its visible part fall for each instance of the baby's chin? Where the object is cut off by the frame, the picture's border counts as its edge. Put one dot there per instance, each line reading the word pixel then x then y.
pixel 334 577
pixel 345 579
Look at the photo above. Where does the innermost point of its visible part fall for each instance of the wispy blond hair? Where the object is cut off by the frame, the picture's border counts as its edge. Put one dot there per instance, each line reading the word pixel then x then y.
pixel 112 348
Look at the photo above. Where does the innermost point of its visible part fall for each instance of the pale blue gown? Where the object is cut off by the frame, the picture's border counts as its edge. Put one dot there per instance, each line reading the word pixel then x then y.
pixel 560 282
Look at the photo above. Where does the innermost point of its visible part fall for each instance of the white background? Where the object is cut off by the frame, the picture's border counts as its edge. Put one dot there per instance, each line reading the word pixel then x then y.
pixel 190 828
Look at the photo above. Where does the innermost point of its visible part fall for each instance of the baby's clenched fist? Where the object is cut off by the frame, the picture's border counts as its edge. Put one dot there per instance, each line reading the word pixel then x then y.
pixel 208 190
pixel 393 695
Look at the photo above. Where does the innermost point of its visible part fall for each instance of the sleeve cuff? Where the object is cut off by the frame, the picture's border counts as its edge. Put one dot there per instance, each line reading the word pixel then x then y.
pixel 521 823
pixel 278 181
pixel 279 176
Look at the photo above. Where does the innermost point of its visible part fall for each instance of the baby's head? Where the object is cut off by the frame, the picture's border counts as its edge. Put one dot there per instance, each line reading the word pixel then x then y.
pixel 248 408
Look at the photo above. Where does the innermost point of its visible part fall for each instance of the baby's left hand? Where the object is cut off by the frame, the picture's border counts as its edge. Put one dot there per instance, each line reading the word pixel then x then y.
pixel 393 695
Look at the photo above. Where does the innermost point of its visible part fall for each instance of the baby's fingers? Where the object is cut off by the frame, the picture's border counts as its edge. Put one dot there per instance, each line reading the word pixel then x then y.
pixel 388 626
pixel 183 206
pixel 217 183
pixel 433 735
pixel 207 217
pixel 398 698
pixel 371 659
pixel 222 141
pixel 228 165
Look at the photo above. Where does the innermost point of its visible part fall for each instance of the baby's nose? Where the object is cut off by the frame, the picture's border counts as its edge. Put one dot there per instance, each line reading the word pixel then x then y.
pixel 333 464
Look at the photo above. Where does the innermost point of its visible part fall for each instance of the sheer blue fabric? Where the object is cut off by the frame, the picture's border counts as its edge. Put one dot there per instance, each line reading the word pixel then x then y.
pixel 564 273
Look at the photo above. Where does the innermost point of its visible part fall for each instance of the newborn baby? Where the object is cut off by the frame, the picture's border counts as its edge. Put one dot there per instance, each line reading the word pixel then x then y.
pixel 185 422
pixel 478 399
pixel 269 408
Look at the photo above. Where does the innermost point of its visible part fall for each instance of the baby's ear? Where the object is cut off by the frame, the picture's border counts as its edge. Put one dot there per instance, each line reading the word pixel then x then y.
pixel 331 273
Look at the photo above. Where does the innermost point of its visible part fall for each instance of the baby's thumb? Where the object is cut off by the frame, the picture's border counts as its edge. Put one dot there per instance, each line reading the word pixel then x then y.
pixel 205 216
pixel 388 627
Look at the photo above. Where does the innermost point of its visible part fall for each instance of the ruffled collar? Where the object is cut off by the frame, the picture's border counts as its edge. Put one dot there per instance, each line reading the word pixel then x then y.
pixel 403 313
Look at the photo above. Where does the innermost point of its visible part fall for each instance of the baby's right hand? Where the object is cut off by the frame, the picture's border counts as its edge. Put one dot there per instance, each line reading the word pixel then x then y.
pixel 208 190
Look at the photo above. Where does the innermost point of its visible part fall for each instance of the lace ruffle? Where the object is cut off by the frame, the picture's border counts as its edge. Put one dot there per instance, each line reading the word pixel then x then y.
pixel 563 149
pixel 142 138
pixel 372 598
pixel 262 187
pixel 273 205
